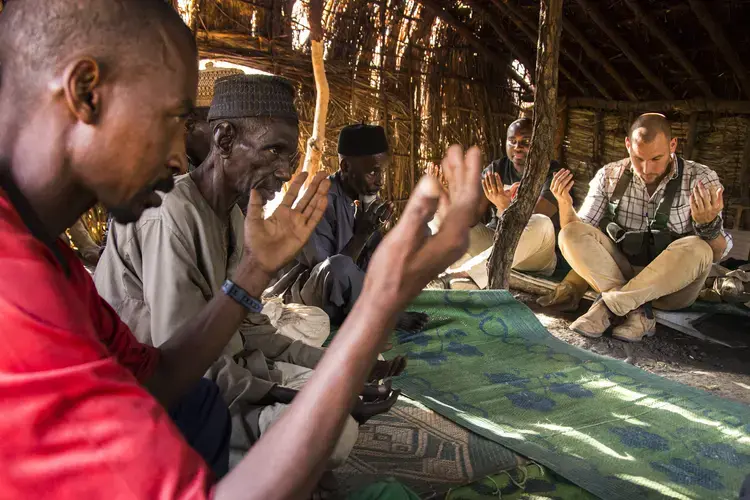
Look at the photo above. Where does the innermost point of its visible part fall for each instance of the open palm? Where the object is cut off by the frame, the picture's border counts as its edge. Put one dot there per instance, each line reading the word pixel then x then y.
pixel 275 241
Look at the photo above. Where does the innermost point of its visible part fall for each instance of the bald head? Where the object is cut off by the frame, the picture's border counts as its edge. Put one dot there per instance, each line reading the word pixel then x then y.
pixel 651 146
pixel 648 126
pixel 522 124
pixel 518 141
pixel 39 37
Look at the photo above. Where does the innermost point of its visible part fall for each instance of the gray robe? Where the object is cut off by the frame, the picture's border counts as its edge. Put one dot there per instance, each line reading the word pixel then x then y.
pixel 321 276
pixel 159 272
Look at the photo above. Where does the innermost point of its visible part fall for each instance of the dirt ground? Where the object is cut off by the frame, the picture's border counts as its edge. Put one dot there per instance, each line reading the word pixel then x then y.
pixel 712 367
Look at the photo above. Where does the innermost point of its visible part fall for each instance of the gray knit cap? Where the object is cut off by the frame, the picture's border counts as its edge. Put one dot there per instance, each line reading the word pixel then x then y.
pixel 247 96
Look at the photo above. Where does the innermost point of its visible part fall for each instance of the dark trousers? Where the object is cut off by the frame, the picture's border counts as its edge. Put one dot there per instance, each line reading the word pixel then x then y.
pixel 203 418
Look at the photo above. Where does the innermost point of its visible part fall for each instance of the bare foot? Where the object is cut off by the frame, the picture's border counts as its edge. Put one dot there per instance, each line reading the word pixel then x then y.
pixel 412 322
pixel 364 411
pixel 387 369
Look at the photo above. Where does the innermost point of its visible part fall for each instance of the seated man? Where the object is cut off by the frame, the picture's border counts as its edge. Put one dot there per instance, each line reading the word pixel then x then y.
pixel 647 232
pixel 159 272
pixel 331 268
pixel 536 248
pixel 83 402
pixel 197 137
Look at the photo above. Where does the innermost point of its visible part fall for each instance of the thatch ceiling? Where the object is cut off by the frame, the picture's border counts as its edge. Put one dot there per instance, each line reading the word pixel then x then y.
pixel 615 49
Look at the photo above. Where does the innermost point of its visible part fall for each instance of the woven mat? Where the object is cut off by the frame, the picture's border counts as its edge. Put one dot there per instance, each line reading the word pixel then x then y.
pixel 487 363
pixel 423 450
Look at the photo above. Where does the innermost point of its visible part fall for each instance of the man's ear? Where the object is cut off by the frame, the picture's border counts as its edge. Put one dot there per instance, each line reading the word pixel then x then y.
pixel 343 166
pixel 627 144
pixel 224 135
pixel 673 145
pixel 82 92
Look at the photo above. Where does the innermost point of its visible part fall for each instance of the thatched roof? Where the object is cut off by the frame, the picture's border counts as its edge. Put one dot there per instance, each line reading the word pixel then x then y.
pixel 616 49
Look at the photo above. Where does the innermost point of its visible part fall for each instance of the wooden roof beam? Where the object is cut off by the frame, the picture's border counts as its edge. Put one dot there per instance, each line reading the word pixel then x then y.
pixel 578 37
pixel 520 54
pixel 468 35
pixel 532 36
pixel 660 33
pixel 685 106
pixel 596 16
pixel 703 13
pixel 597 56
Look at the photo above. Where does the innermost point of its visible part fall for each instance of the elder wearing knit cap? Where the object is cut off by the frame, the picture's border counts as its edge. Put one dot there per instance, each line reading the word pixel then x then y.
pixel 191 245
pixel 330 271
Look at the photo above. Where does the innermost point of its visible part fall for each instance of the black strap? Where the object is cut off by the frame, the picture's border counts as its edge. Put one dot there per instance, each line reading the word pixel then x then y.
pixel 622 186
pixel 661 217
pixel 660 221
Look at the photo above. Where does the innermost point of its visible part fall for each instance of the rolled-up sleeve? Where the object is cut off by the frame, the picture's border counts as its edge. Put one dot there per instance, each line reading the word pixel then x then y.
pixel 594 206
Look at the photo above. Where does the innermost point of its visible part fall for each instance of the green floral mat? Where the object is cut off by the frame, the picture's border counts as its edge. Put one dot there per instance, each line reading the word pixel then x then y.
pixel 486 363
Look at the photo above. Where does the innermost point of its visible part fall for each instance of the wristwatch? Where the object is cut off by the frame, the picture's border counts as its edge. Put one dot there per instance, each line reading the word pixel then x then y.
pixel 241 297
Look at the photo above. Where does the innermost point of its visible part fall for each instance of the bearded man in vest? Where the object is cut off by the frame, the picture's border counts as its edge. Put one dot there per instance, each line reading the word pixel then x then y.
pixel 646 235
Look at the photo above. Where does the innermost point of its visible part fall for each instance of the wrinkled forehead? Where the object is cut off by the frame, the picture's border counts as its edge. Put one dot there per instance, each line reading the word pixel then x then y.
pixel 273 130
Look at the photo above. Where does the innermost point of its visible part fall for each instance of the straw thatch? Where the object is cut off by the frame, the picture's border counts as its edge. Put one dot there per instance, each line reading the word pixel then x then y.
pixel 435 72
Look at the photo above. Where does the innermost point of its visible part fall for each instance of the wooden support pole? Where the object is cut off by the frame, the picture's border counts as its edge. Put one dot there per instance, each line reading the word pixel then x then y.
pixel 570 29
pixel 317 142
pixel 517 52
pixel 596 16
pixel 514 219
pixel 716 32
pixel 691 133
pixel 530 33
pixel 412 122
pixel 660 33
pixel 468 35
pixel 680 106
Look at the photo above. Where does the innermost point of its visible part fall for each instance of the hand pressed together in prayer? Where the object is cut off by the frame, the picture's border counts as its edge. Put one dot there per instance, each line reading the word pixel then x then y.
pixel 407 258
pixel 562 182
pixel 706 204
pixel 273 242
pixel 495 191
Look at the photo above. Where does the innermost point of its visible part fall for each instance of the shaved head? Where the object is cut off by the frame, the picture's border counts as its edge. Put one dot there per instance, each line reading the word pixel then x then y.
pixel 39 37
pixel 94 97
pixel 648 126
pixel 522 124
pixel 650 145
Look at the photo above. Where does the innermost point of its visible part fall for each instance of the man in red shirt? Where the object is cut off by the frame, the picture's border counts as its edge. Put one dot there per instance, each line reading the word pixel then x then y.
pixel 93 96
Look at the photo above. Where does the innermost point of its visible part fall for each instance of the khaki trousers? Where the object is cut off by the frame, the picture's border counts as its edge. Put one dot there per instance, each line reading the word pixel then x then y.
pixel 672 281
pixel 535 251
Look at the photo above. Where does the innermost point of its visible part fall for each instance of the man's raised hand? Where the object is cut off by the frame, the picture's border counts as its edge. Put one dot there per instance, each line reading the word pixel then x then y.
pixel 562 182
pixel 494 190
pixel 706 204
pixel 275 241
pixel 408 259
